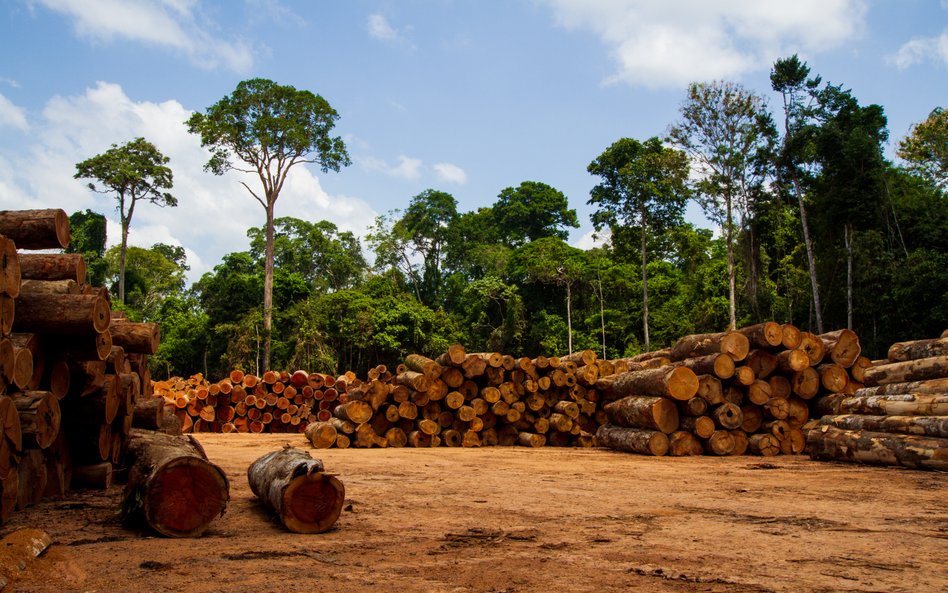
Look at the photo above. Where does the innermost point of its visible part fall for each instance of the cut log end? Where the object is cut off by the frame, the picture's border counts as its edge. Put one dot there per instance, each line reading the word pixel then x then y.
pixel 185 495
pixel 312 503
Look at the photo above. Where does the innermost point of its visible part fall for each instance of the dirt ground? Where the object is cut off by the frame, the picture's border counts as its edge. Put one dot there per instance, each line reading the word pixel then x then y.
pixel 505 520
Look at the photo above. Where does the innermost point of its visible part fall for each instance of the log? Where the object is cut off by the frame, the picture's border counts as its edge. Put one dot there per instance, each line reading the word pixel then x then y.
pixel 700 426
pixel 321 435
pixel 718 365
pixel 529 439
pixel 149 413
pixel 136 338
pixel 928 426
pixel 632 440
pixel 935 367
pixel 858 370
pixel 833 377
pixel 696 406
pixel 40 418
pixel 764 335
pixel 908 404
pixel 792 361
pixel 96 475
pixel 50 287
pixel 759 392
pixel 741 442
pixel 295 486
pixel 10 279
pixel 7 313
pixel 733 343
pixel 709 388
pixel 842 346
pixel 656 413
pixel 877 448
pixel 580 358
pixel 764 444
pixel 36 229
pixel 682 443
pixel 62 314
pixel 727 416
pixel 721 442
pixel 31 478
pixel 813 346
pixel 792 336
pixel 928 387
pixel 806 383
pixel 53 266
pixel 424 365
pixel 752 417
pixel 454 356
pixel 744 375
pixel 357 412
pixel 762 362
pixel 167 474
pixel 913 350
pixel 678 383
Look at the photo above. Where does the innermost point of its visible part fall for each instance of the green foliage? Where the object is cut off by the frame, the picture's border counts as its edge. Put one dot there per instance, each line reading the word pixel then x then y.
pixel 185 338
pixel 151 275
pixel 88 237
pixel 532 211
pixel 926 147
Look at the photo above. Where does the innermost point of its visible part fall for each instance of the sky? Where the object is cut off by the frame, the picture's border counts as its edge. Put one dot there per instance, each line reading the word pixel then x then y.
pixel 463 96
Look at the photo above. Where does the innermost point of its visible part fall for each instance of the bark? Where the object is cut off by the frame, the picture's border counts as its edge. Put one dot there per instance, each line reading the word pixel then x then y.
pixel 927 426
pixel 31 478
pixel 930 386
pixel 149 413
pixel 40 418
pixel 9 492
pixel 268 281
pixel 908 404
pixel 720 365
pixel 424 365
pixel 295 486
pixel 678 383
pixel 528 439
pixel 878 448
pixel 935 367
pixel 138 338
pixel 62 314
pixel 172 485
pixel 53 266
pixel 905 351
pixel 50 287
pixel 655 413
pixel 36 229
pixel 10 277
pixel 632 440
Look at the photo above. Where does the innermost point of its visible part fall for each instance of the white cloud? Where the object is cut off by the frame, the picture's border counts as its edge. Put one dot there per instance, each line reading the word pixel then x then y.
pixel 449 173
pixel 213 213
pixel 12 116
pixel 406 168
pixel 593 239
pixel 921 49
pixel 675 42
pixel 171 24
pixel 379 28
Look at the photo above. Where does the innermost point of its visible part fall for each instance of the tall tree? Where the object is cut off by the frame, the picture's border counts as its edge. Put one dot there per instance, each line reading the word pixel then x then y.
pixel 269 128
pixel 531 211
pixel 133 171
pixel 723 129
pixel 926 147
pixel 152 275
pixel 644 185
pixel 789 78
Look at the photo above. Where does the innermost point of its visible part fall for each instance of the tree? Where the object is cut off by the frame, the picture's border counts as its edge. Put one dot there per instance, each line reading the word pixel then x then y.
pixel 88 237
pixel 133 171
pixel 724 129
pixel 269 128
pixel 789 78
pixel 926 147
pixel 152 275
pixel 643 185
pixel 531 211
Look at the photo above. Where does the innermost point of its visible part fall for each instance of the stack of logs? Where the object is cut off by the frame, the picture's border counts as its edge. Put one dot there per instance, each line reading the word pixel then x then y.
pixel 899 418
pixel 729 393
pixel 70 373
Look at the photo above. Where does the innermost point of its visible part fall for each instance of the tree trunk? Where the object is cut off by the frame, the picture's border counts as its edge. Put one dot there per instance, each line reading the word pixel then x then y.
pixel 926 426
pixel 632 440
pixel 36 229
pixel 878 448
pixel 123 252
pixel 935 367
pixel 172 485
pixel 731 273
pixel 642 218
pixel 268 283
pixel 569 316
pixel 656 413
pixel 294 486
pixel 848 239
pixel 908 404
pixel 810 258
pixel 905 351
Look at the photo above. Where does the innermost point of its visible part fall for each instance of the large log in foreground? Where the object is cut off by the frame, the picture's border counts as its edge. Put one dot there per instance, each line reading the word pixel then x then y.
pixel 877 448
pixel 294 485
pixel 172 485
pixel 36 229
pixel 935 367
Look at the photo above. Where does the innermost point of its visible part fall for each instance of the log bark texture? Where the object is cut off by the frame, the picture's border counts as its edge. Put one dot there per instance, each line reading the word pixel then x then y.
pixel 935 367
pixel 294 485
pixel 928 426
pixel 656 413
pixel 36 229
pixel 633 440
pixel 878 448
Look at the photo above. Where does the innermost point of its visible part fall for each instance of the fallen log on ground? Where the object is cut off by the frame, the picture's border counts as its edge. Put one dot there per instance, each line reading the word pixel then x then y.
pixel 877 448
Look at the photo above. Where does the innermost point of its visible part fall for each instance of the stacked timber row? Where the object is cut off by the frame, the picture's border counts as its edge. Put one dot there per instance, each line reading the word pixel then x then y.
pixel 69 374
pixel 729 393
pixel 900 417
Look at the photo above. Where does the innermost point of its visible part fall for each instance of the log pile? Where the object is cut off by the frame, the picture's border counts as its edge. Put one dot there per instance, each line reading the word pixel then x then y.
pixel 747 391
pixel 900 417
pixel 70 373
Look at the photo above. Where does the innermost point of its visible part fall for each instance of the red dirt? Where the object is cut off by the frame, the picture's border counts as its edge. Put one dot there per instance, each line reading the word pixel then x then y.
pixel 511 520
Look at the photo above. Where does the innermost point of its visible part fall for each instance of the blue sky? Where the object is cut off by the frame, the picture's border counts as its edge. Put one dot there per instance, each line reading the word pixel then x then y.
pixel 469 97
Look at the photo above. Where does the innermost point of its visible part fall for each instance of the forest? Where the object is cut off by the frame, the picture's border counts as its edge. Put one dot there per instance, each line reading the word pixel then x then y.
pixel 816 227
